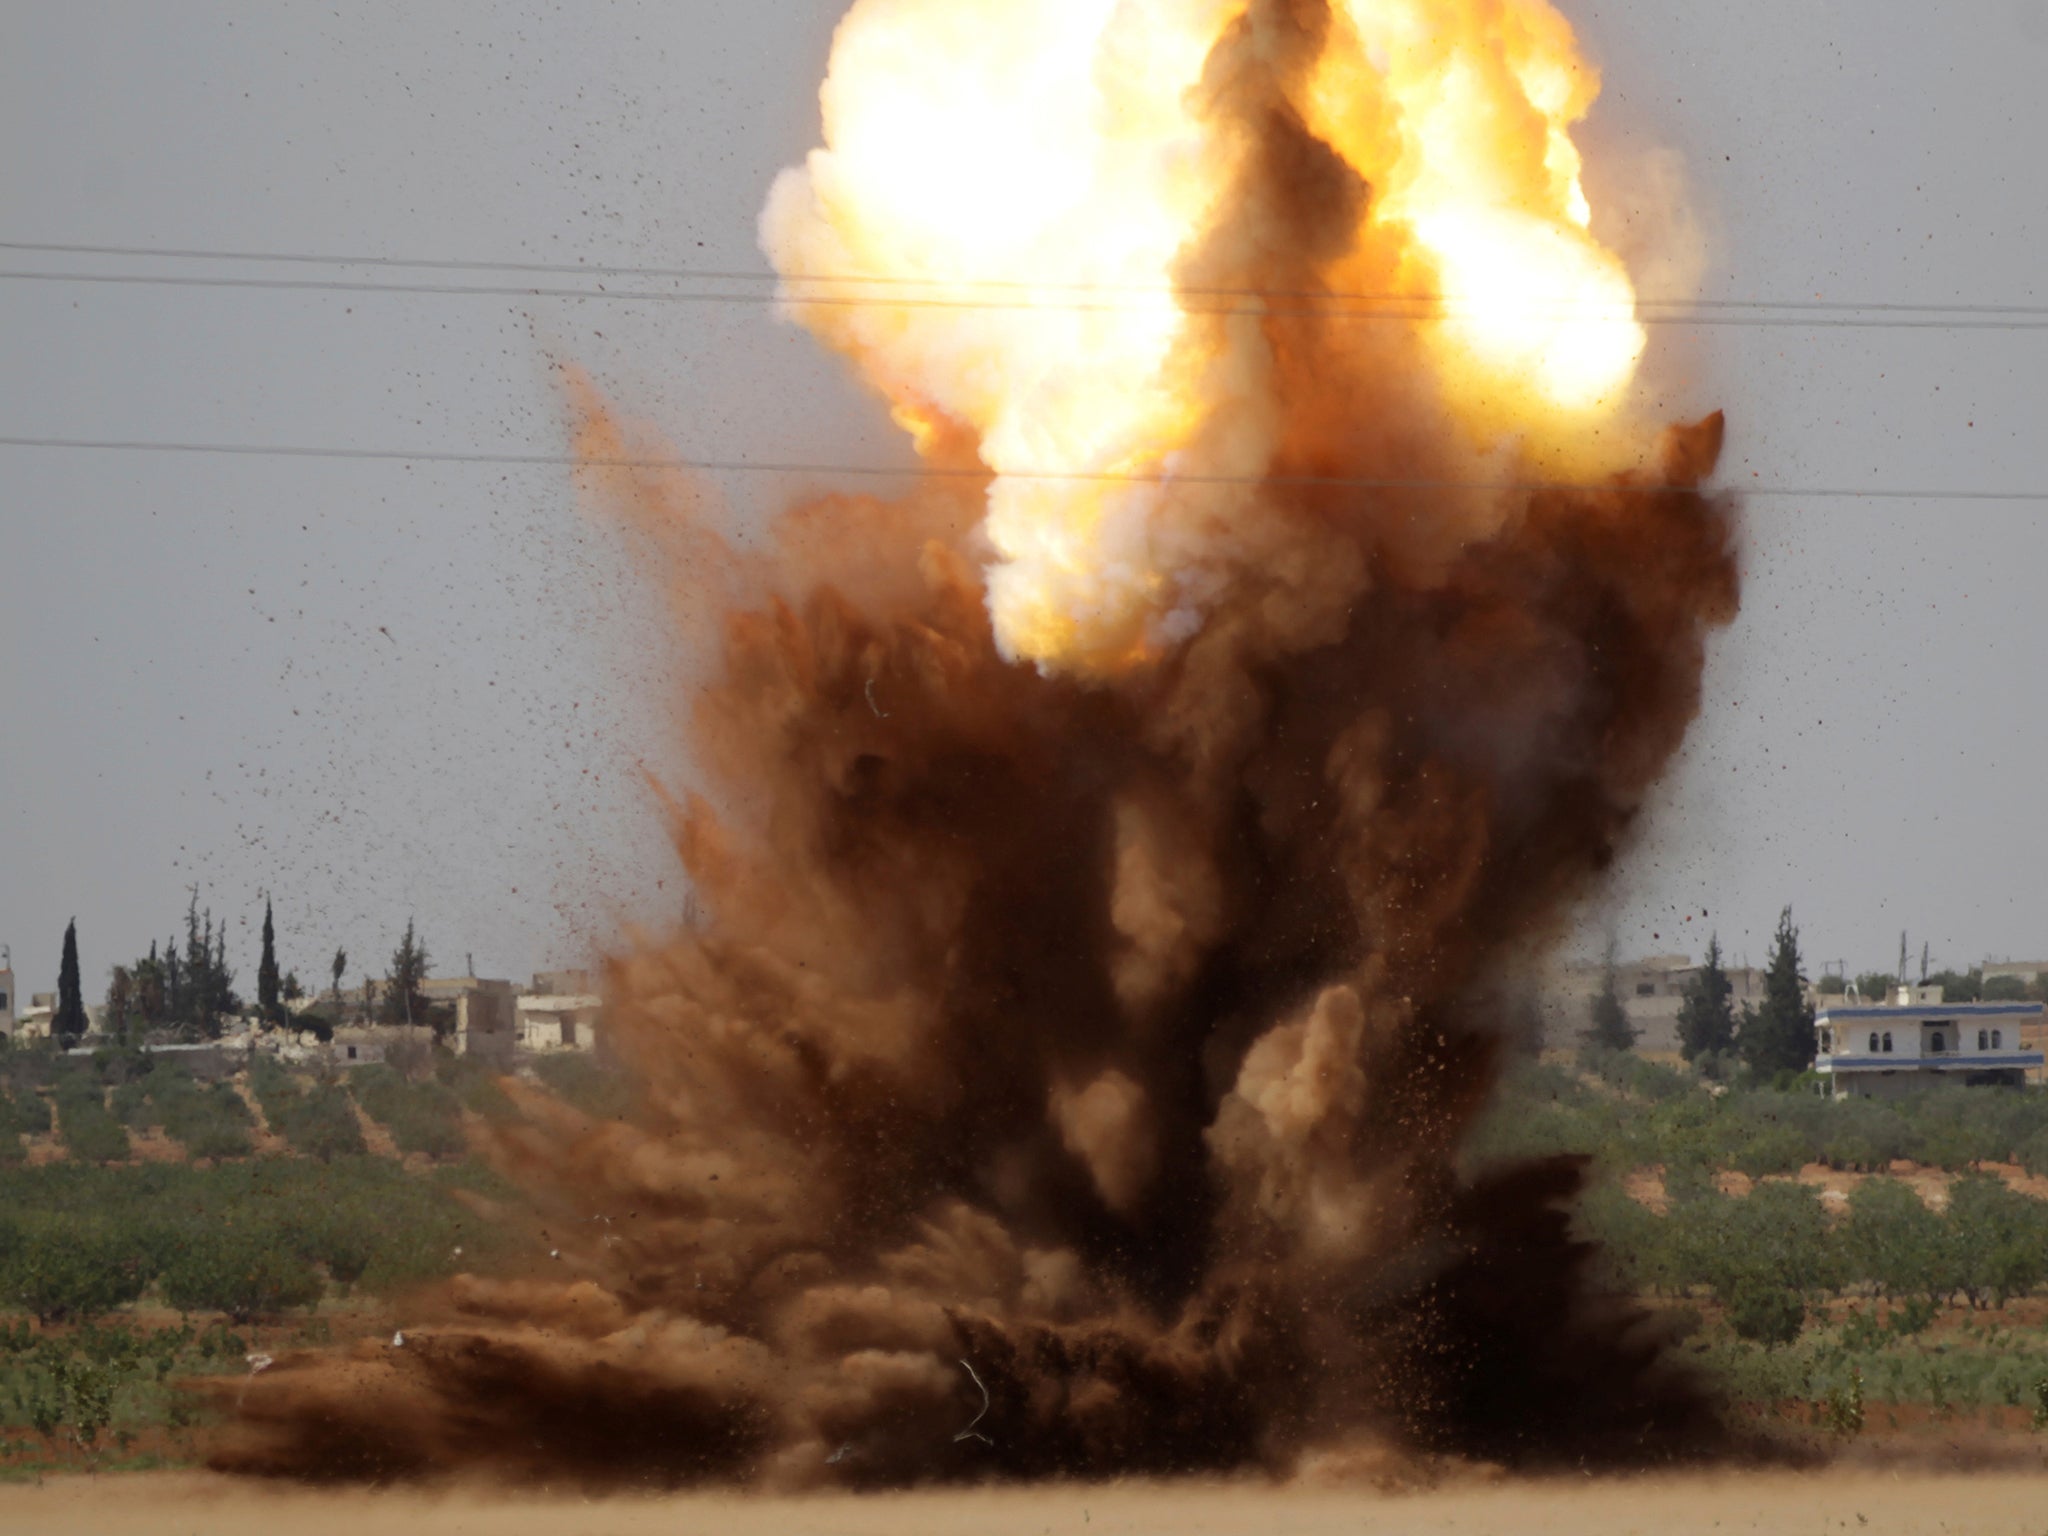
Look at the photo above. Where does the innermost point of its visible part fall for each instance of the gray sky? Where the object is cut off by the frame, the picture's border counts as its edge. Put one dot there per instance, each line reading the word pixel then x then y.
pixel 380 689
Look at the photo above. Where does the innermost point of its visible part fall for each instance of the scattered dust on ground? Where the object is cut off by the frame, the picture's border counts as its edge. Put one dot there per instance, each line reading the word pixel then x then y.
pixel 1869 1501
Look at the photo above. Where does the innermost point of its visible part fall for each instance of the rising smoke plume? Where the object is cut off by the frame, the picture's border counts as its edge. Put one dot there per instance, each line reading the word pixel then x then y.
pixel 1115 854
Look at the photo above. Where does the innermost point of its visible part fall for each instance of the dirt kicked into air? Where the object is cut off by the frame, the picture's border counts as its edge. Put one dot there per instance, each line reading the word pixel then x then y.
pixel 1069 1073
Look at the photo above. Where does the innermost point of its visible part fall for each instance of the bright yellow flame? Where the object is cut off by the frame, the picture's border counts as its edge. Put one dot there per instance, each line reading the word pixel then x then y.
pixel 1023 177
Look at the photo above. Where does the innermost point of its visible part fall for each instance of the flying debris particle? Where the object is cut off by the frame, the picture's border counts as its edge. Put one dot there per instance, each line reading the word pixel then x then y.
pixel 970 1432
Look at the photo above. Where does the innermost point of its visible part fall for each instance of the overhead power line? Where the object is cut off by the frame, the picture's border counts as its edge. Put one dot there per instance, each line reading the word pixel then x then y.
pixel 1390 310
pixel 877 471
pixel 779 287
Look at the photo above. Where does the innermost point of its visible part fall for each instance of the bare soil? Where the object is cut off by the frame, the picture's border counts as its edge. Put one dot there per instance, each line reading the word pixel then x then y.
pixel 1863 1502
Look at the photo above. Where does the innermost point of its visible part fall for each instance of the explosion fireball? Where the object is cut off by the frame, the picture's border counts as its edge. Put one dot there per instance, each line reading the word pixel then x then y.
pixel 1117 854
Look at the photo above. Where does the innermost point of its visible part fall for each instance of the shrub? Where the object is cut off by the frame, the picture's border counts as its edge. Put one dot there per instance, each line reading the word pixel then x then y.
pixel 1843 1410
pixel 210 1122
pixel 421 1117
pixel 1849 1151
pixel 132 1108
pixel 1895 1242
pixel 23 1114
pixel 1777 1150
pixel 1766 1314
pixel 89 1132
pixel 62 1271
pixel 241 1270
pixel 1998 1239
pixel 319 1121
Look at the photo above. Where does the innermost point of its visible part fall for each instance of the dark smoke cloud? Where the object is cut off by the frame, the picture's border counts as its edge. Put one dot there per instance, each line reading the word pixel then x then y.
pixel 1104 1047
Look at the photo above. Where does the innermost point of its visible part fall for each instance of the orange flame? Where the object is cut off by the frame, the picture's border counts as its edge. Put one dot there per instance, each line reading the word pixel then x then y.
pixel 1011 187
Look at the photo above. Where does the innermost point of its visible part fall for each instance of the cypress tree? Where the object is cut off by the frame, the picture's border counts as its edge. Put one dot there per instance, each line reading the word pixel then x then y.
pixel 1609 1028
pixel 268 1002
pixel 1706 1018
pixel 1778 1037
pixel 69 1024
pixel 404 1003
pixel 175 984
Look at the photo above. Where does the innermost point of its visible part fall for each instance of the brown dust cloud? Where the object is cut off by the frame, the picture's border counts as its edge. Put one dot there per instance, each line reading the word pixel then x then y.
pixel 1116 856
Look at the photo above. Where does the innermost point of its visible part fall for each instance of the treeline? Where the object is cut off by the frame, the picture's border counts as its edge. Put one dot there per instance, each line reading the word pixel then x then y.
pixel 1770 1256
pixel 1631 1113
pixel 187 987
pixel 184 989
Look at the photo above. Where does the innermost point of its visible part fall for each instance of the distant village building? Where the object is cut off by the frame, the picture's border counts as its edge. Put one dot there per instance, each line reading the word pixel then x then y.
pixel 1650 991
pixel 485 1023
pixel 559 1021
pixel 6 992
pixel 366 1045
pixel 34 1021
pixel 1888 1049
pixel 563 983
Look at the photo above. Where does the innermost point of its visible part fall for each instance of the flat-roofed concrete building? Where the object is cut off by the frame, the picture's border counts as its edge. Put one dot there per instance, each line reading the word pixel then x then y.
pixel 554 1021
pixel 1889 1049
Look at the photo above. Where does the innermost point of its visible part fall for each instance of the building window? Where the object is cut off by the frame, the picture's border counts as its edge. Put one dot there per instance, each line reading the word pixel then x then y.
pixel 351 1053
pixel 1940 1043
pixel 1997 1040
pixel 1827 1038
pixel 1982 1039
pixel 1873 1042
pixel 1646 989
pixel 3 1002
pixel 1887 1042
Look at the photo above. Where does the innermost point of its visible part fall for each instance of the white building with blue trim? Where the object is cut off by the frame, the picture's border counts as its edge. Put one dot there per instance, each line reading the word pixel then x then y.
pixel 1886 1050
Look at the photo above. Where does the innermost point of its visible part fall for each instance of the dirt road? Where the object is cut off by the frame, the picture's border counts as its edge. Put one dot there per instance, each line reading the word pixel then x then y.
pixel 1861 1503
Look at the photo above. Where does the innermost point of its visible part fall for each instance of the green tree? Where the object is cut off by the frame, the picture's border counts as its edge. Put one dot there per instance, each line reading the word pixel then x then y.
pixel 1960 986
pixel 1778 1037
pixel 1765 1314
pixel 69 1022
pixel 1997 1240
pixel 404 1001
pixel 268 1001
pixel 149 988
pixel 1894 1241
pixel 66 1270
pixel 339 966
pixel 120 1002
pixel 175 1002
pixel 1875 986
pixel 1706 1016
pixel 242 1269
pixel 1608 1028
